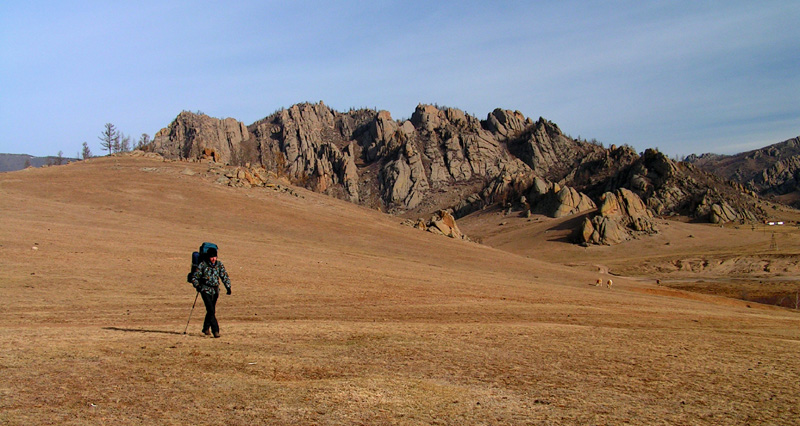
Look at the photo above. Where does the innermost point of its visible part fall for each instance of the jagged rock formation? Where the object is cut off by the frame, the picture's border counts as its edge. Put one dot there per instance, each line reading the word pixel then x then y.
pixel 722 213
pixel 770 171
pixel 671 188
pixel 782 177
pixel 621 216
pixel 364 156
pixel 442 158
pixel 312 145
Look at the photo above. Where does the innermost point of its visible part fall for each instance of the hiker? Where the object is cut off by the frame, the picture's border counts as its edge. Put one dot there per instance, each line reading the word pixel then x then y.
pixel 206 281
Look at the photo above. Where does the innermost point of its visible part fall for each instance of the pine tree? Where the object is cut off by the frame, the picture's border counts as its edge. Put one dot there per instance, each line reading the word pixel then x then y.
pixel 109 138
pixel 86 153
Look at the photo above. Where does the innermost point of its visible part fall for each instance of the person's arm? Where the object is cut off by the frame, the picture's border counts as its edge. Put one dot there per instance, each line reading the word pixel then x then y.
pixel 223 275
pixel 196 276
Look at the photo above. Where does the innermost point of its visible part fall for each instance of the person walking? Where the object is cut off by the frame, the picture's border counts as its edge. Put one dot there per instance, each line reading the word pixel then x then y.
pixel 205 279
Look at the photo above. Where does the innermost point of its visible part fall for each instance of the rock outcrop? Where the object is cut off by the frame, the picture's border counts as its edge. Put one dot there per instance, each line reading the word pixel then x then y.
pixel 312 145
pixel 620 217
pixel 555 201
pixel 193 135
pixel 544 148
pixel 722 213
pixel 670 188
pixel 770 171
pixel 442 223
pixel 333 152
pixel 782 177
pixel 442 158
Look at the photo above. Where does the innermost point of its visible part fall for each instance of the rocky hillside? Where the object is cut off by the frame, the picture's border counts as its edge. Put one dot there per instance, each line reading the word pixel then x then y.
pixel 772 171
pixel 444 159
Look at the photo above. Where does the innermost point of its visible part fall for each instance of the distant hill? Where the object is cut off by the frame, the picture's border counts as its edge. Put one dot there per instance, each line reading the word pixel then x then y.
pixel 13 162
pixel 772 171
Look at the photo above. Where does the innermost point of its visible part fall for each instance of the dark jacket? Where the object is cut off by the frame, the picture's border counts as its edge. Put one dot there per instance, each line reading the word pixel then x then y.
pixel 207 277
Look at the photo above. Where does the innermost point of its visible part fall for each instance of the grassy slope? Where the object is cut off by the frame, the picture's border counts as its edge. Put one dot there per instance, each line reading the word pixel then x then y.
pixel 340 315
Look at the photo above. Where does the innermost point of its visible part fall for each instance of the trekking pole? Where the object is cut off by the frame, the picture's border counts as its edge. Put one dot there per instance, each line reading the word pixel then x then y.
pixel 190 312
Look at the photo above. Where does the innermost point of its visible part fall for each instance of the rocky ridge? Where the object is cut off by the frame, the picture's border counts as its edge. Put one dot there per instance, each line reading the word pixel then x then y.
pixel 772 171
pixel 442 159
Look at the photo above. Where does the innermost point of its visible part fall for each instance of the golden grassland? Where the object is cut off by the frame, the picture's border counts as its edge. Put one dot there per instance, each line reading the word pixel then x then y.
pixel 341 315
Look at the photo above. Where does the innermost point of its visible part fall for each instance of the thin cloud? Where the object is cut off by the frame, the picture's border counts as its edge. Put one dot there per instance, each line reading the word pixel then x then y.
pixel 682 76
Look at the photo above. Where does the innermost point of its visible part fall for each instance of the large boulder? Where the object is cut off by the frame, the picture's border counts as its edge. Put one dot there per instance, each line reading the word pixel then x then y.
pixel 722 213
pixel 620 217
pixel 507 123
pixel 556 201
pixel 442 223
pixel 569 201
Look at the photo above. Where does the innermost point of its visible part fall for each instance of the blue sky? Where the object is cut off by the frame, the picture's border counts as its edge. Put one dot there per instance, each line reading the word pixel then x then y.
pixel 682 76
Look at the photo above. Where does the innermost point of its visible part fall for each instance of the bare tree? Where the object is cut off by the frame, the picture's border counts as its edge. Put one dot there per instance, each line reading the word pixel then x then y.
pixel 144 140
pixel 60 158
pixel 109 138
pixel 124 143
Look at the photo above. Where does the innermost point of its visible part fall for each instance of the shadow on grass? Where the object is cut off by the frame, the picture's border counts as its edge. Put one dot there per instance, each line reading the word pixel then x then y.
pixel 569 225
pixel 141 330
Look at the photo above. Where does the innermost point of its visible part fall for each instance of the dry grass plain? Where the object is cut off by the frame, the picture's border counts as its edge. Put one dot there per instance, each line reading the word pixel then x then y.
pixel 340 315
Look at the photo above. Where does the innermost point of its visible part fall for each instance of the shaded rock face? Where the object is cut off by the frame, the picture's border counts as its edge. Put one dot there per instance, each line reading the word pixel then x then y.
pixel 782 177
pixel 722 213
pixel 669 188
pixel 621 216
pixel 542 146
pixel 442 158
pixel 555 201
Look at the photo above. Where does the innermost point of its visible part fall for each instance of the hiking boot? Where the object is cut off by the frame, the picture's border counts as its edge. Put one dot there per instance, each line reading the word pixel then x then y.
pixel 207 332
pixel 216 334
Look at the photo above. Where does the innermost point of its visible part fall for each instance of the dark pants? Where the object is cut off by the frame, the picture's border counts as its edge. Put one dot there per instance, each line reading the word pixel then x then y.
pixel 210 300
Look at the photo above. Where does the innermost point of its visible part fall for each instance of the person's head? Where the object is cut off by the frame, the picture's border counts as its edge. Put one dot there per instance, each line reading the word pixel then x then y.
pixel 212 255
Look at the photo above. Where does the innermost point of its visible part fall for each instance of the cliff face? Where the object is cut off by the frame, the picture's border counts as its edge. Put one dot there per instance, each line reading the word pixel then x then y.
pixel 442 158
pixel 189 134
pixel 312 145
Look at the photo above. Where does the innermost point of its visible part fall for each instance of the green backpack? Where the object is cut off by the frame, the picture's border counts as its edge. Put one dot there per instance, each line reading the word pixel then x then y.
pixel 198 256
